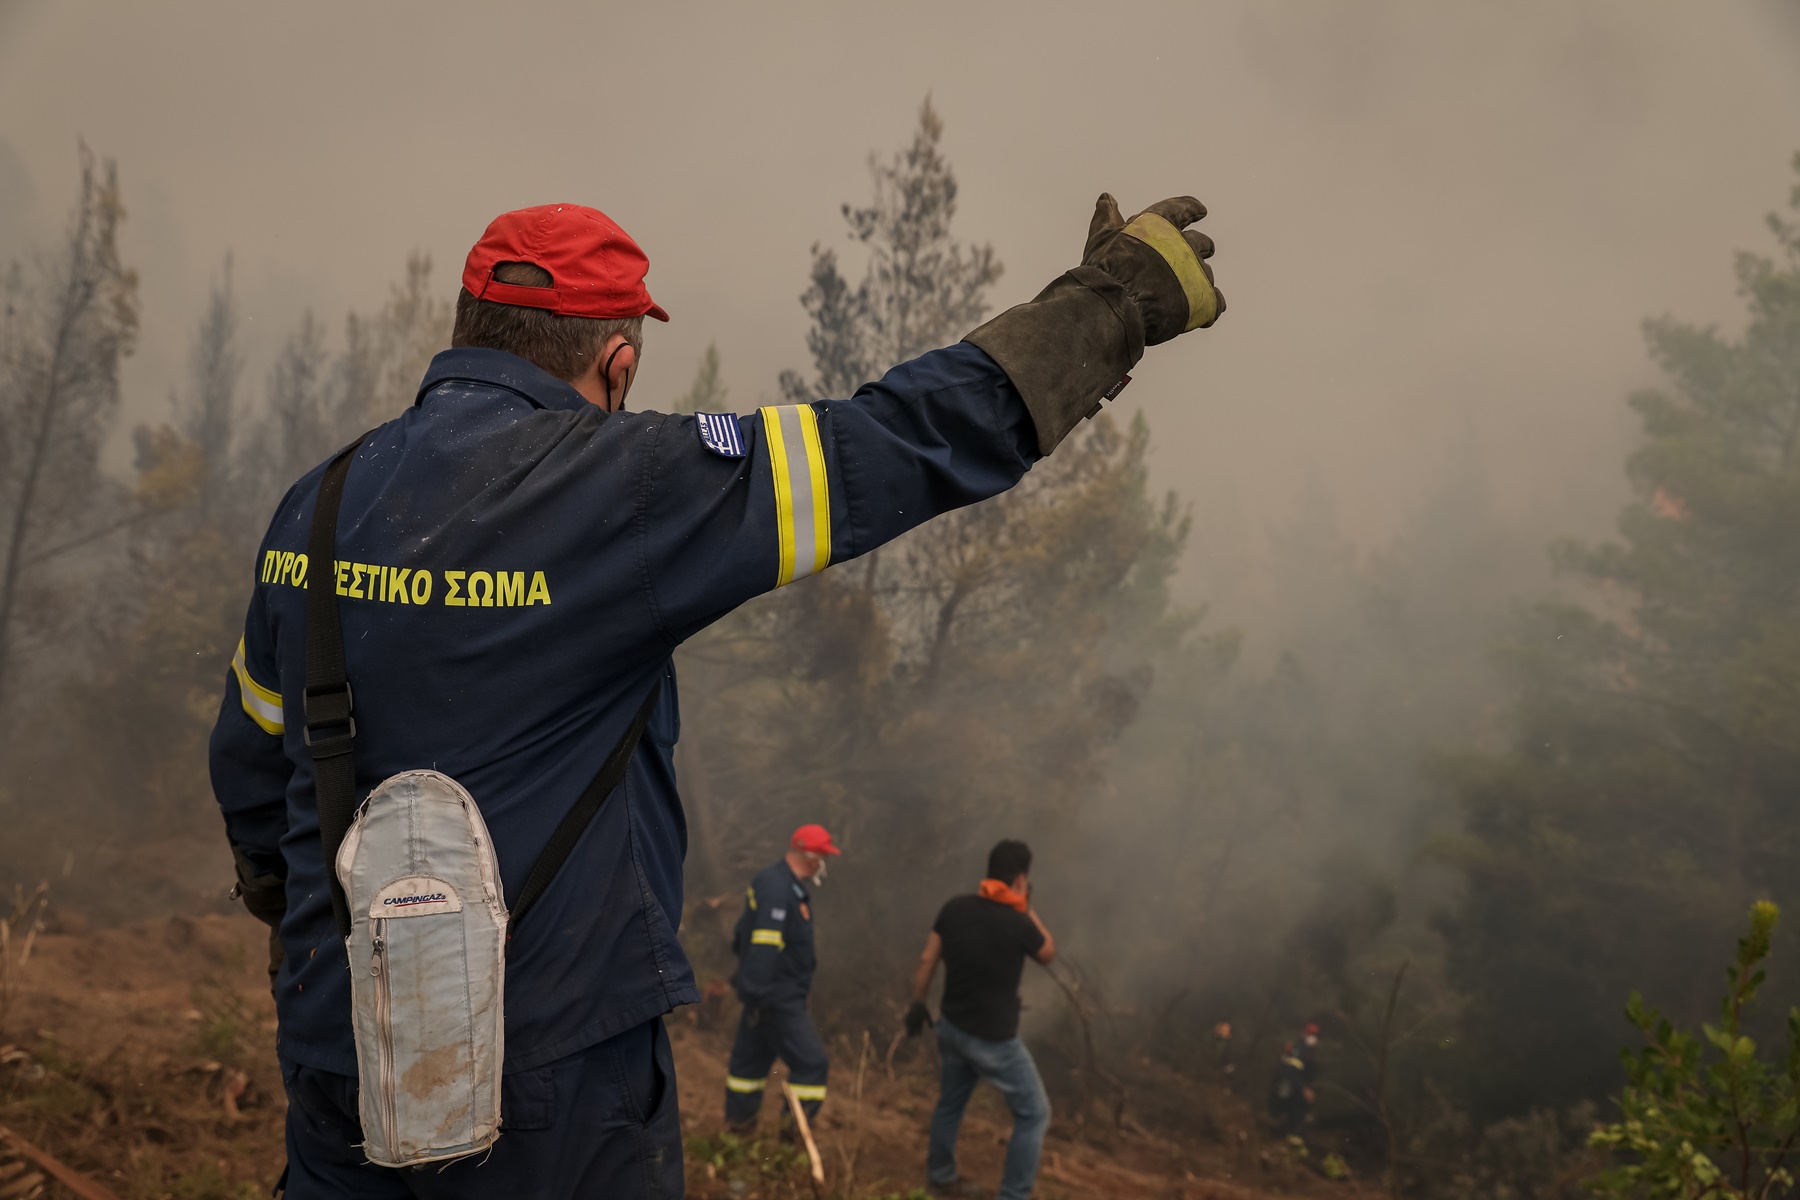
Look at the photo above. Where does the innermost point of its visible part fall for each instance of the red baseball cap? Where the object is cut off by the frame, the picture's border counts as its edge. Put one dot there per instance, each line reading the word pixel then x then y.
pixel 596 270
pixel 813 839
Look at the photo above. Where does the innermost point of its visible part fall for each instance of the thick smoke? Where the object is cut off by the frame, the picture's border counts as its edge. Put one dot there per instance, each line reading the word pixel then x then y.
pixel 1251 662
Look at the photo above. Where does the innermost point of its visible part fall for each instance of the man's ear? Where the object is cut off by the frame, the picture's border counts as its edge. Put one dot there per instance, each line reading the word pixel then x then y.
pixel 619 362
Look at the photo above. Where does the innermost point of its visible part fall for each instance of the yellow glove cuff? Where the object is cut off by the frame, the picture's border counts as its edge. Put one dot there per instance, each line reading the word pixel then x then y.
pixel 1161 236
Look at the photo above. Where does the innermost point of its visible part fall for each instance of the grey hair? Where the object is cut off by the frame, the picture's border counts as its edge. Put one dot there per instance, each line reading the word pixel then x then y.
pixel 562 346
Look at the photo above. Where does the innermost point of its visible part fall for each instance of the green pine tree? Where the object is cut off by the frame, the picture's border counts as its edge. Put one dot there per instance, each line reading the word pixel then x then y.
pixel 1650 791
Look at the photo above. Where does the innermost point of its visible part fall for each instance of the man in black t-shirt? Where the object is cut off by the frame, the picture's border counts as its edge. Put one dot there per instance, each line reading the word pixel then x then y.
pixel 984 940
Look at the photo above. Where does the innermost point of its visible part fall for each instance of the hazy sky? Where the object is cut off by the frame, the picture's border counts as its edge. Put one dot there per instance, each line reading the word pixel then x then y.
pixel 1439 225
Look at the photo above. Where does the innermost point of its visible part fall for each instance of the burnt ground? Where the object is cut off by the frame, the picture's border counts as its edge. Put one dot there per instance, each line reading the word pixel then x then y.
pixel 143 1056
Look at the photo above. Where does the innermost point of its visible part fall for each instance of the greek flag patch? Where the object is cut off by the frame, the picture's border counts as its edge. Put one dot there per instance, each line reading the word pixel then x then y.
pixel 778 914
pixel 721 433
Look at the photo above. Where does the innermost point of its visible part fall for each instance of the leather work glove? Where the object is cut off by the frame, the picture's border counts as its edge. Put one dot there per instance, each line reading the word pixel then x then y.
pixel 1170 282
pixel 264 894
pixel 1140 283
pixel 918 1019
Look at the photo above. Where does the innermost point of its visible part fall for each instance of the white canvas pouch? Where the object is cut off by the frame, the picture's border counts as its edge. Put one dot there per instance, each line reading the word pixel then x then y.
pixel 427 951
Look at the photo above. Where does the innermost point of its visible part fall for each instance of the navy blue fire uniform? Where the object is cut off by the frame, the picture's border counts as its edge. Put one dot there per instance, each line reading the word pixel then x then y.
pixel 776 960
pixel 515 568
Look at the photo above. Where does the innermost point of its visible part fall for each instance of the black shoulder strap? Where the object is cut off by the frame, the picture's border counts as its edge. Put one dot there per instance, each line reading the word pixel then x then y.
pixel 575 823
pixel 330 732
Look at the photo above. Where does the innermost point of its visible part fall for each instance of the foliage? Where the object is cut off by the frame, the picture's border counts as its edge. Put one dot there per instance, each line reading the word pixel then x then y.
pixel 64 327
pixel 386 352
pixel 1647 796
pixel 739 1157
pixel 20 924
pixel 1706 1115
pixel 1541 1154
pixel 145 687
pixel 209 414
pixel 921 288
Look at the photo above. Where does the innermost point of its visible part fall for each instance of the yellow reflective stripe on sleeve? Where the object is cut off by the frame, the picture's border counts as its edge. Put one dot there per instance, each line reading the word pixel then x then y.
pixel 768 937
pixel 746 1086
pixel 802 493
pixel 1160 234
pixel 263 705
pixel 821 491
pixel 807 1091
pixel 750 895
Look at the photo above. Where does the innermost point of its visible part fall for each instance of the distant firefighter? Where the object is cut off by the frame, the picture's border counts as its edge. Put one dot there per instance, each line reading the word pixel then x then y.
pixel 984 940
pixel 774 945
pixel 1291 1092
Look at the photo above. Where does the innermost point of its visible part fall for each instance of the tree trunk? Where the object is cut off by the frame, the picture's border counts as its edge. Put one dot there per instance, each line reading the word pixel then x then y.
pixel 41 443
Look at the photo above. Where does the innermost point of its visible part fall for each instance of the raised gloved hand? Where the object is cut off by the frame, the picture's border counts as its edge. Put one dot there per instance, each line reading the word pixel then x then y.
pixel 1141 282
pixel 1160 262
pixel 918 1019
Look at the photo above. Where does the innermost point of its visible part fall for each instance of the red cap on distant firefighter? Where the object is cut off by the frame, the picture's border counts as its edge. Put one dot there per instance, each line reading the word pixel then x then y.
pixel 812 839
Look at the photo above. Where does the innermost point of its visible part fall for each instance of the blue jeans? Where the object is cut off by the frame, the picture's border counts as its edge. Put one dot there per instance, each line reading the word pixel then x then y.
pixel 1008 1066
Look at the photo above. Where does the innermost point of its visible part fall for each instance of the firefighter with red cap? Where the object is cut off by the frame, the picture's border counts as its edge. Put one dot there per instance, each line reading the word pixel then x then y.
pixel 776 959
pixel 465 620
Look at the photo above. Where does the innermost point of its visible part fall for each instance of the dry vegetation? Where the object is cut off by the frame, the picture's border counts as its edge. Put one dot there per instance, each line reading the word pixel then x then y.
pixel 143 1056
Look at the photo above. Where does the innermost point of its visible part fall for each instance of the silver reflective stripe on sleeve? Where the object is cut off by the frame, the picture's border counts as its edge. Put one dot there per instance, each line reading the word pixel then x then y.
pixel 263 705
pixel 802 498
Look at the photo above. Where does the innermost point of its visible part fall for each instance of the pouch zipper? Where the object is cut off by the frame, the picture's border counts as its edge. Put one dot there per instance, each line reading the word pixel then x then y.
pixel 384 1035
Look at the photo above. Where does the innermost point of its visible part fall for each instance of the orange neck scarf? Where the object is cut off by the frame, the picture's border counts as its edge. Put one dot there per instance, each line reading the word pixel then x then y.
pixel 993 889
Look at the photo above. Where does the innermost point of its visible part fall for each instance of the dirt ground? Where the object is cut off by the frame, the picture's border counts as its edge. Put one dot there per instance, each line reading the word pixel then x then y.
pixel 142 1057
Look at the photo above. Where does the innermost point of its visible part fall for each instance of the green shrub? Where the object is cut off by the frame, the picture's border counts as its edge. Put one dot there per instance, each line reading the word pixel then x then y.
pixel 1707 1116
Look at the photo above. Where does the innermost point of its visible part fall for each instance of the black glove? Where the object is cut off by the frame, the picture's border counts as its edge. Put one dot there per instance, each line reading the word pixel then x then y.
pixel 753 1014
pixel 918 1019
pixel 1139 283
pixel 264 894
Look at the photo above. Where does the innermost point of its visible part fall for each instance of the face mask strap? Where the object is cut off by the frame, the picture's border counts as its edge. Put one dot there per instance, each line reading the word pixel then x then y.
pixel 606 378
